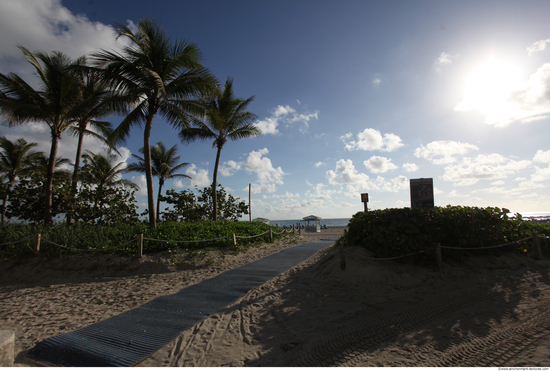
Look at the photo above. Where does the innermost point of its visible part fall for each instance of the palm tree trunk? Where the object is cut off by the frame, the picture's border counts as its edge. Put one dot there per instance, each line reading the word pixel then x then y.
pixel 148 171
pixel 215 184
pixel 75 174
pixel 161 183
pixel 48 218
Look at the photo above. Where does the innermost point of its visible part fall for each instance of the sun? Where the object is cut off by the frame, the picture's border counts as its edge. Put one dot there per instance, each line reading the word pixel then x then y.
pixel 489 88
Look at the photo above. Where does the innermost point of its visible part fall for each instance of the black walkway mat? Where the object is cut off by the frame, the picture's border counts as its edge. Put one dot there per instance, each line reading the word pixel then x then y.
pixel 128 338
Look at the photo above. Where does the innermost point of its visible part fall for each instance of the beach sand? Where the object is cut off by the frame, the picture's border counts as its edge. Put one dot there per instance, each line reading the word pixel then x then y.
pixel 482 312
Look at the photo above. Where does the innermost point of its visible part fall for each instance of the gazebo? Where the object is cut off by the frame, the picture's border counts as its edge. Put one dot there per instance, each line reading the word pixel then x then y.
pixel 261 220
pixel 316 223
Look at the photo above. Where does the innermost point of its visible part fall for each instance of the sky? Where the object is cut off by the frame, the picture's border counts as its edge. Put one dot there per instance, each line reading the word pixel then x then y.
pixel 351 96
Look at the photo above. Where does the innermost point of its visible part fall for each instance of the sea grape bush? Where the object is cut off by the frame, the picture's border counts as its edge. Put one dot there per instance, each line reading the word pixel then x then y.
pixel 395 232
pixel 113 238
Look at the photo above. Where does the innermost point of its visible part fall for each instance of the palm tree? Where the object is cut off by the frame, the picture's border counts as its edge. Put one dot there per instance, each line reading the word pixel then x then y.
pixel 16 160
pixel 225 118
pixel 164 166
pixel 154 75
pixel 103 171
pixel 41 164
pixel 57 104
pixel 99 102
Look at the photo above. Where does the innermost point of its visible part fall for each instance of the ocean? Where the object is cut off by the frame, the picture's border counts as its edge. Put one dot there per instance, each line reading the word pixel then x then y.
pixel 337 222
pixel 343 222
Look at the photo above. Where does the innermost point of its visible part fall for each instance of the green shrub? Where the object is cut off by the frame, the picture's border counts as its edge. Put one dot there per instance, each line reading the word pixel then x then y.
pixel 115 238
pixel 395 232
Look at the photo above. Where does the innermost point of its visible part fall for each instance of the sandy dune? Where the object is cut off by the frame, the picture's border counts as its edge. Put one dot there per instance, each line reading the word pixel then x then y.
pixel 485 312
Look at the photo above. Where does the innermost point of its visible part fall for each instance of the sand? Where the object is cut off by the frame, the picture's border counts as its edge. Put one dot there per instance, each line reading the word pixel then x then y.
pixel 482 312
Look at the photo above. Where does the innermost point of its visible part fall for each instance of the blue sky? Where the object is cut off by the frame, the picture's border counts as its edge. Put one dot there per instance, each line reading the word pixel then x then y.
pixel 352 96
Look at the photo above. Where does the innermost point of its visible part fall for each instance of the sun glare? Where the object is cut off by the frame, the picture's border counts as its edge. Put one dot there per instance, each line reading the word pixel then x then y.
pixel 488 89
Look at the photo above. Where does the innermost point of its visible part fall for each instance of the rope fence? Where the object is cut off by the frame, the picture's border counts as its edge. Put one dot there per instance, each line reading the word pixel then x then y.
pixel 38 240
pixel 438 248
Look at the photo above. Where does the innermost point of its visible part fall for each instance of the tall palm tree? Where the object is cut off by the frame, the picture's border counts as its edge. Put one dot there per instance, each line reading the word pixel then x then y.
pixel 99 102
pixel 164 166
pixel 57 103
pixel 16 160
pixel 225 118
pixel 154 75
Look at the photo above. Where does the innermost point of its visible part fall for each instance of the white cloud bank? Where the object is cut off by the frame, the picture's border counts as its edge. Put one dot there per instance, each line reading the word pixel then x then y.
pixel 494 166
pixel 443 151
pixel 47 25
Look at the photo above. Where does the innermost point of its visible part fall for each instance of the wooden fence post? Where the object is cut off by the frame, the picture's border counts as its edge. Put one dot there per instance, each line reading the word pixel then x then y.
pixel 439 257
pixel 36 243
pixel 270 234
pixel 140 246
pixel 234 239
pixel 536 245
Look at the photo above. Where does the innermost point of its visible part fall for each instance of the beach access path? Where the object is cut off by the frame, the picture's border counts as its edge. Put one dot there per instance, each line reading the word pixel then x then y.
pixel 485 311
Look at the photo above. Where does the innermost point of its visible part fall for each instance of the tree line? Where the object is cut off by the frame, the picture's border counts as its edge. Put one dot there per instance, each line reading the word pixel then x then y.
pixel 152 76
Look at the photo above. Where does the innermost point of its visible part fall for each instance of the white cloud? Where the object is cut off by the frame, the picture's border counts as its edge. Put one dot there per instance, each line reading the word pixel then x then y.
pixel 409 168
pixel 529 185
pixel 503 98
pixel 288 116
pixel 283 110
pixel 319 192
pixel 229 168
pixel 319 164
pixel 442 61
pixel 47 25
pixel 371 140
pixel 471 170
pixel 356 183
pixel 443 151
pixel 268 126
pixel 542 156
pixel 257 163
pixel 377 164
pixel 141 183
pixel 287 195
pixel 537 46
pixel 541 174
pixel 263 167
pixel 268 175
pixel 345 173
pixel 377 79
pixel 199 177
pixel 393 185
